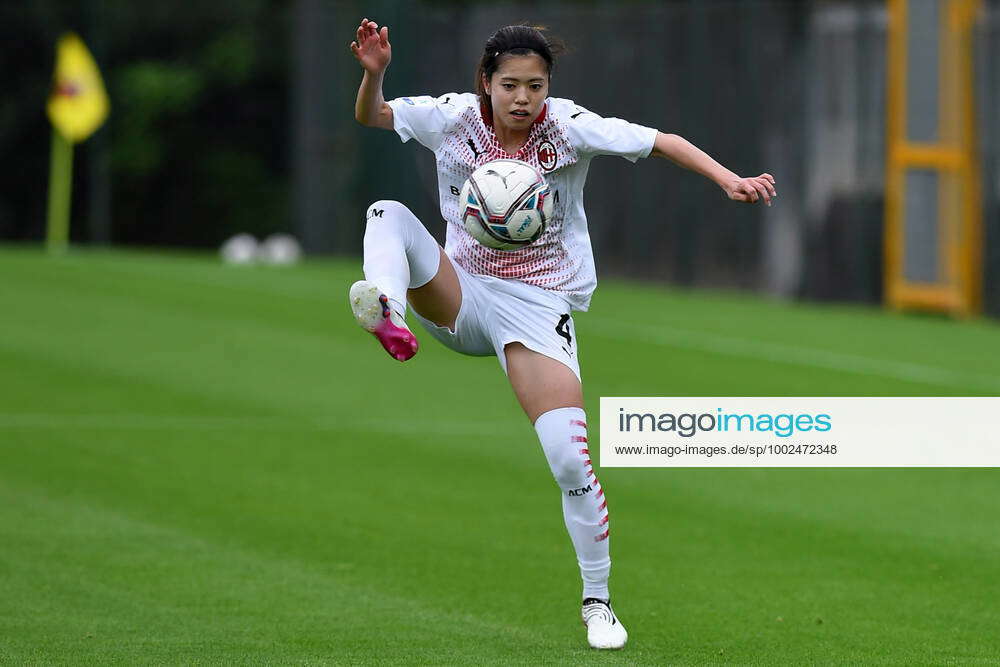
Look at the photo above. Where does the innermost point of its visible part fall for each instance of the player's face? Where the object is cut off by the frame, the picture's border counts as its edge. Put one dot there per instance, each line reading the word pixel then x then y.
pixel 518 90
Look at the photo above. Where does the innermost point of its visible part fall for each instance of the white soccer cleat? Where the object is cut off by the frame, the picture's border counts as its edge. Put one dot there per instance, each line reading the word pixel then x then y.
pixel 371 309
pixel 604 630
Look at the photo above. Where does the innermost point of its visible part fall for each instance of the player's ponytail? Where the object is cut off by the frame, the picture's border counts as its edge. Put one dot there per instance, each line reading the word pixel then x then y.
pixel 515 40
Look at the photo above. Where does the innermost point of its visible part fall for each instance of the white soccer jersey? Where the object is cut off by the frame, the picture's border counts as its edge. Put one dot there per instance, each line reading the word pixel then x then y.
pixel 561 144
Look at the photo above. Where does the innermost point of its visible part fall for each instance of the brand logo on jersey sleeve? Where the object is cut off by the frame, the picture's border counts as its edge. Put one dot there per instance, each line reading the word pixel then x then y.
pixel 547 156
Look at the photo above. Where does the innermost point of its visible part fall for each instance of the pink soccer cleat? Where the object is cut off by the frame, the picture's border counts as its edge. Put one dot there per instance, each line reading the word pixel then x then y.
pixel 372 311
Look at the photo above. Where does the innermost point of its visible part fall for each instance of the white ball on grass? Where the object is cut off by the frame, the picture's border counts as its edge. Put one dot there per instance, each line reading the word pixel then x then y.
pixel 280 249
pixel 240 249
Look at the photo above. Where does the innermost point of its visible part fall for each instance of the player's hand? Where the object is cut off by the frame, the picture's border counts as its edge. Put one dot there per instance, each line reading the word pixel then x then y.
pixel 751 190
pixel 372 48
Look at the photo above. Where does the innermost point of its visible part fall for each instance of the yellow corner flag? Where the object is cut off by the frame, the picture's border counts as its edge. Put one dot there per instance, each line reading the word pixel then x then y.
pixel 77 106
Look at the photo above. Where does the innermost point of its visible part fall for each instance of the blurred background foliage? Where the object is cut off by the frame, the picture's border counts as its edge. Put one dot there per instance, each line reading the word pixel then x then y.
pixel 196 147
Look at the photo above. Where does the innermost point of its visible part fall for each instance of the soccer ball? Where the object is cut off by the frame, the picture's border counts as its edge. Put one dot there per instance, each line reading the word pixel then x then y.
pixel 279 249
pixel 505 204
pixel 240 249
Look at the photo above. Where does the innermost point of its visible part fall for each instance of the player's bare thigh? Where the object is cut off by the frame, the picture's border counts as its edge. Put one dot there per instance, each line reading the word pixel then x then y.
pixel 541 383
pixel 440 299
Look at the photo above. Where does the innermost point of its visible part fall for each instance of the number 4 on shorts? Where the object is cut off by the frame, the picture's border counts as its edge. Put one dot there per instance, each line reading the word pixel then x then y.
pixel 563 331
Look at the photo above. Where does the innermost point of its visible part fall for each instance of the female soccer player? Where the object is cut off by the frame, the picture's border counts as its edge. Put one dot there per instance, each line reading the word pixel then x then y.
pixel 514 304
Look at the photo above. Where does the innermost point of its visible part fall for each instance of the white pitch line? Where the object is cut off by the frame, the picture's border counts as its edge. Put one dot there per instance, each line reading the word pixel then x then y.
pixel 134 421
pixel 127 422
pixel 790 354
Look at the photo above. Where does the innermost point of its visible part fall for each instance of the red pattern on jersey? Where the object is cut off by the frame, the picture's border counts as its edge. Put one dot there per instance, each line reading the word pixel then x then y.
pixel 550 262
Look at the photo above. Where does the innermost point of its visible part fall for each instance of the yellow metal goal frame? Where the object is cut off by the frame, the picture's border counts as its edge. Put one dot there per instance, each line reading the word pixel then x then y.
pixel 954 157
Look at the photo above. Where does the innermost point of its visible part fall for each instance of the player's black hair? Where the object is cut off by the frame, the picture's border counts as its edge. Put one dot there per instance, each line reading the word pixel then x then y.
pixel 514 40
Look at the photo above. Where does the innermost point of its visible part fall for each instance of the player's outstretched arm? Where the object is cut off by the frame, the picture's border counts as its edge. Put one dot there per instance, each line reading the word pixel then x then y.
pixel 373 51
pixel 683 152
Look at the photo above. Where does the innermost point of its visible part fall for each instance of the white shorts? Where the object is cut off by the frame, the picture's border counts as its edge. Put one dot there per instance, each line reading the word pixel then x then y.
pixel 496 312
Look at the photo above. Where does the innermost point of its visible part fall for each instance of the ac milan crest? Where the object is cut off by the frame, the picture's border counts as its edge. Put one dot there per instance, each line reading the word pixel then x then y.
pixel 547 155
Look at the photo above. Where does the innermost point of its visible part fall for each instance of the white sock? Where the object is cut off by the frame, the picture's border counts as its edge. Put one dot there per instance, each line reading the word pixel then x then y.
pixel 400 253
pixel 563 434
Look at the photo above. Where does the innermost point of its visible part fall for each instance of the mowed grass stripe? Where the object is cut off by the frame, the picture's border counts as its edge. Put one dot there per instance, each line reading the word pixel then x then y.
pixel 781 339
pixel 318 504
pixel 826 582
pixel 220 596
pixel 367 511
pixel 732 346
pixel 45 421
pixel 905 348
pixel 748 551
pixel 219 345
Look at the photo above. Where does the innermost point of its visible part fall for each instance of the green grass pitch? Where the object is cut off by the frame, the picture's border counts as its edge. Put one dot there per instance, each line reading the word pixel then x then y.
pixel 209 464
